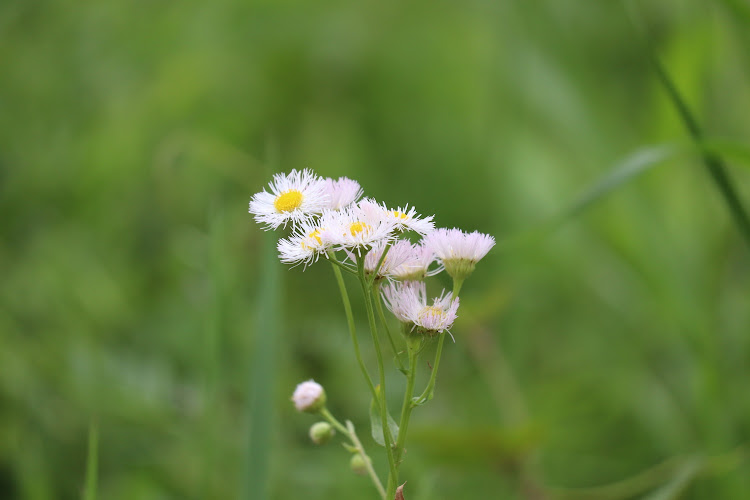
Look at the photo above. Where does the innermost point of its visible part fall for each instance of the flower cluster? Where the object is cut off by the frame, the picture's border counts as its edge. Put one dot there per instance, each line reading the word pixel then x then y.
pixel 328 215
pixel 329 218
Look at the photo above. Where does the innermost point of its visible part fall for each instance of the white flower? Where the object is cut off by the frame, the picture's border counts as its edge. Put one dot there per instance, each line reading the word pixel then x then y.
pixel 355 227
pixel 295 197
pixel 416 266
pixel 342 192
pixel 459 251
pixel 404 217
pixel 304 246
pixel 408 302
pixel 309 396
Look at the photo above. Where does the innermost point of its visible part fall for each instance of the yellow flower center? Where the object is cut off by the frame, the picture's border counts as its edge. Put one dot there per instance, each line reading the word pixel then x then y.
pixel 288 201
pixel 357 227
pixel 431 312
pixel 399 215
pixel 315 235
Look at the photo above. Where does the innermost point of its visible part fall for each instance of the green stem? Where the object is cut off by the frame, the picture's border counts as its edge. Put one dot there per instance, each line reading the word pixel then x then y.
pixel 92 463
pixel 352 328
pixel 408 394
pixel 366 290
pixel 376 272
pixel 430 389
pixel 349 432
pixel 381 315
pixel 340 264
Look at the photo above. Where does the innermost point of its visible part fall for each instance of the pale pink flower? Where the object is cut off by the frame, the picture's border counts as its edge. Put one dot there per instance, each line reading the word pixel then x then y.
pixel 342 192
pixel 408 302
pixel 309 396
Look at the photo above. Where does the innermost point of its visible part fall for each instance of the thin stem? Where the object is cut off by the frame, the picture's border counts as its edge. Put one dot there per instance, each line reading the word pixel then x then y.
pixel 340 264
pixel 407 405
pixel 430 389
pixel 393 476
pixel 380 263
pixel 381 315
pixel 352 328
pixel 349 432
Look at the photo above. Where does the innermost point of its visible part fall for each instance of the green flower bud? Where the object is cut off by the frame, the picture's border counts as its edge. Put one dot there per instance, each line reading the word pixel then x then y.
pixel 358 465
pixel 321 432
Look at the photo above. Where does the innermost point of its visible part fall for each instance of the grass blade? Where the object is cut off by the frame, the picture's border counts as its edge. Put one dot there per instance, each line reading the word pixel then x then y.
pixel 628 169
pixel 92 463
pixel 679 482
pixel 713 163
pixel 260 405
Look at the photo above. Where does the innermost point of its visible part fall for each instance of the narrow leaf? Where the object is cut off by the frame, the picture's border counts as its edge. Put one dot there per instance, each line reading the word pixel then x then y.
pixel 376 423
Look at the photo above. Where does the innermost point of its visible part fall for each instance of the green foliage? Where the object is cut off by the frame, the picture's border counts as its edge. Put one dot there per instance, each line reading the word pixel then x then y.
pixel 138 293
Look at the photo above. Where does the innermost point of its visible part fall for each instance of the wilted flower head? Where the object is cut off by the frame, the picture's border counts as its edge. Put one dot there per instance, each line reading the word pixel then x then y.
pixel 295 197
pixel 408 302
pixel 342 192
pixel 459 251
pixel 309 396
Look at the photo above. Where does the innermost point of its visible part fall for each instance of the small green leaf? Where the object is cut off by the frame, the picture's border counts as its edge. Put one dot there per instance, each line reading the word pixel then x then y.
pixel 350 448
pixel 376 423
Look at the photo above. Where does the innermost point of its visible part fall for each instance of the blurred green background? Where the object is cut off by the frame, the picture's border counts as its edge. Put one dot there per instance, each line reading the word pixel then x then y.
pixel 138 294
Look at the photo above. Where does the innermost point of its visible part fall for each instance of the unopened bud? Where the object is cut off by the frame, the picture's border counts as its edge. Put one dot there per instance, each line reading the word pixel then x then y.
pixel 321 432
pixel 358 464
pixel 309 397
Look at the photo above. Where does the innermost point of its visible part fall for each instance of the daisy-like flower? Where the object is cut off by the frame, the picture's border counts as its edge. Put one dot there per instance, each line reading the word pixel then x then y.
pixel 458 251
pixel 305 246
pixel 406 218
pixel 356 228
pixel 416 266
pixel 408 302
pixel 294 197
pixel 309 396
pixel 398 254
pixel 342 192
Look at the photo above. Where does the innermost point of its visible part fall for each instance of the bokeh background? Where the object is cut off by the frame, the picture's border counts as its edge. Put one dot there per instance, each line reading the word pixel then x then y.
pixel 137 295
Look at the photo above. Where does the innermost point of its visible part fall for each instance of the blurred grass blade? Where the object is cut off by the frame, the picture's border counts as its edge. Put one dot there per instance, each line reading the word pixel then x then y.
pixel 713 163
pixel 260 408
pixel 680 481
pixel 92 463
pixel 736 151
pixel 629 168
pixel 618 175
pixel 260 401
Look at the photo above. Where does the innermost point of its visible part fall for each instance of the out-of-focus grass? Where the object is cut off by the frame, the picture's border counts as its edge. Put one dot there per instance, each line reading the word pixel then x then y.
pixel 133 135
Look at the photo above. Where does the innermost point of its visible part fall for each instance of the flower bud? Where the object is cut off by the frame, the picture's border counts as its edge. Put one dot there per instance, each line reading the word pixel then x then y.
pixel 321 432
pixel 358 464
pixel 309 397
